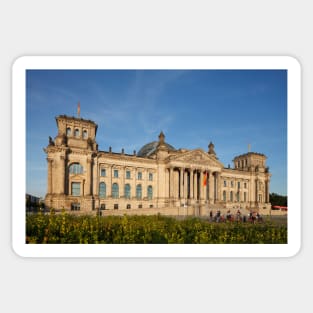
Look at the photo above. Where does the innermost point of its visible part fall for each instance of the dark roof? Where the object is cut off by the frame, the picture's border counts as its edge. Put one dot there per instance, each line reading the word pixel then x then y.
pixel 151 147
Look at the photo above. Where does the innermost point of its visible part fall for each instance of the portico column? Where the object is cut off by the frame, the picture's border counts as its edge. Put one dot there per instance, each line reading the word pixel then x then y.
pixel 191 183
pixel 181 186
pixel 211 187
pixel 201 185
pixel 186 185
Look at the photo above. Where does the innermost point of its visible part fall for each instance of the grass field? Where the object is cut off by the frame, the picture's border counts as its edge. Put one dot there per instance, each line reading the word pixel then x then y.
pixel 70 229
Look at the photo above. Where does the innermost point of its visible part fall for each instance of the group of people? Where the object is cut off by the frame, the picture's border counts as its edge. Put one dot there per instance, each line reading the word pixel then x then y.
pixel 252 217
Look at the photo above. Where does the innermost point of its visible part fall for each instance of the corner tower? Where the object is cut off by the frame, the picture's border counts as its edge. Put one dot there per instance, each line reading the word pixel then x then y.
pixel 71 159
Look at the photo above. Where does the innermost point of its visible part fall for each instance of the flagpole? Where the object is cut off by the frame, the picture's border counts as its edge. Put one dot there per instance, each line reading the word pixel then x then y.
pixel 78 109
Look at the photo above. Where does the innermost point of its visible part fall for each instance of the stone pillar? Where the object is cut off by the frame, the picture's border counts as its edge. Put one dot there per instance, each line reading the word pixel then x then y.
pixel 122 188
pixel 267 190
pixel 211 187
pixel 109 186
pixel 49 180
pixel 201 196
pixel 196 185
pixel 191 184
pixel 218 187
pixel 171 182
pixel 181 183
pixel 144 184
pixel 88 180
pixel 133 184
pixel 62 175
pixel 185 185
pixel 256 190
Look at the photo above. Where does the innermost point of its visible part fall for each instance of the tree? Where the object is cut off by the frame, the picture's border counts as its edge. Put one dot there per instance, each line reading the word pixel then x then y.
pixel 277 199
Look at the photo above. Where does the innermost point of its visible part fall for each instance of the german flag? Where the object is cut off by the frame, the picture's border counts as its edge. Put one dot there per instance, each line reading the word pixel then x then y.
pixel 205 178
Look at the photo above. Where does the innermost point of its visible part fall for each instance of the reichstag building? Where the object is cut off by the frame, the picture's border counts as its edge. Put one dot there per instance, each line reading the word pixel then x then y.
pixel 158 179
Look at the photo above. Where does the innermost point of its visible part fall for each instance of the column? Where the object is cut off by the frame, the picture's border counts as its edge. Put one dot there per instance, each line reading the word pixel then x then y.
pixel 211 187
pixel 122 188
pixel 49 180
pixel 191 183
pixel 181 183
pixel 201 185
pixel 196 195
pixel 185 185
pixel 218 189
pixel 144 184
pixel 62 175
pixel 109 185
pixel 171 182
pixel 88 180
pixel 133 183
pixel 256 190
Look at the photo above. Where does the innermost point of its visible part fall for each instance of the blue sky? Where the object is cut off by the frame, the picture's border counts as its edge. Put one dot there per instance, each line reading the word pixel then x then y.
pixel 231 108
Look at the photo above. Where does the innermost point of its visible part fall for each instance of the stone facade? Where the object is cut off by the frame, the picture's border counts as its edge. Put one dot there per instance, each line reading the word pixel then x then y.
pixel 158 179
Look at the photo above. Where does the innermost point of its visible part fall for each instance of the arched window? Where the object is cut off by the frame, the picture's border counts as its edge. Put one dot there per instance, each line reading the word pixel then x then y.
pixel 115 193
pixel 76 132
pixel 102 190
pixel 224 195
pixel 68 131
pixel 85 134
pixel 138 192
pixel 76 168
pixel 231 196
pixel 150 192
pixel 127 191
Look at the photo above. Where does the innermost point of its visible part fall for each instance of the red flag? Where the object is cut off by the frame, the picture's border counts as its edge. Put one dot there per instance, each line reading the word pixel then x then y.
pixel 204 179
pixel 78 109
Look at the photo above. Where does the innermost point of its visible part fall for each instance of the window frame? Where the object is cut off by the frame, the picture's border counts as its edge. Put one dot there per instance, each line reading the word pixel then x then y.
pixel 102 195
pixel 74 190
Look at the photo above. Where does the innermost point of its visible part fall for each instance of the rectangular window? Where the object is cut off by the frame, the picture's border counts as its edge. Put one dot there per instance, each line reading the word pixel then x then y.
pixel 115 173
pixel 232 184
pixel 115 206
pixel 103 172
pixel 75 207
pixel 245 185
pixel 151 206
pixel 225 183
pixel 102 207
pixel 238 184
pixel 75 189
pixel 140 206
pixel 127 174
pixel 139 176
pixel 128 206
pixel 150 176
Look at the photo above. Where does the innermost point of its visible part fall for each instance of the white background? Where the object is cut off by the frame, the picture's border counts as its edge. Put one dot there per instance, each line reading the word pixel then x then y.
pixel 154 28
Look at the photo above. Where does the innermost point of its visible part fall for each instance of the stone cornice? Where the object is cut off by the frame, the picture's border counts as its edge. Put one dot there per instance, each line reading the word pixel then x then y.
pixel 124 157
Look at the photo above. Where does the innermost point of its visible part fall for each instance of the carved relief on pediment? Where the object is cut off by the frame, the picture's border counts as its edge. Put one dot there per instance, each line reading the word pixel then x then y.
pixel 196 158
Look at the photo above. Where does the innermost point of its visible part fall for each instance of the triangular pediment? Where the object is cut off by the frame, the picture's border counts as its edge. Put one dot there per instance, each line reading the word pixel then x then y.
pixel 194 158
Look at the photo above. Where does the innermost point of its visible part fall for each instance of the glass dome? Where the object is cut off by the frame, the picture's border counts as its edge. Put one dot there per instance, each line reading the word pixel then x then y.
pixel 151 147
